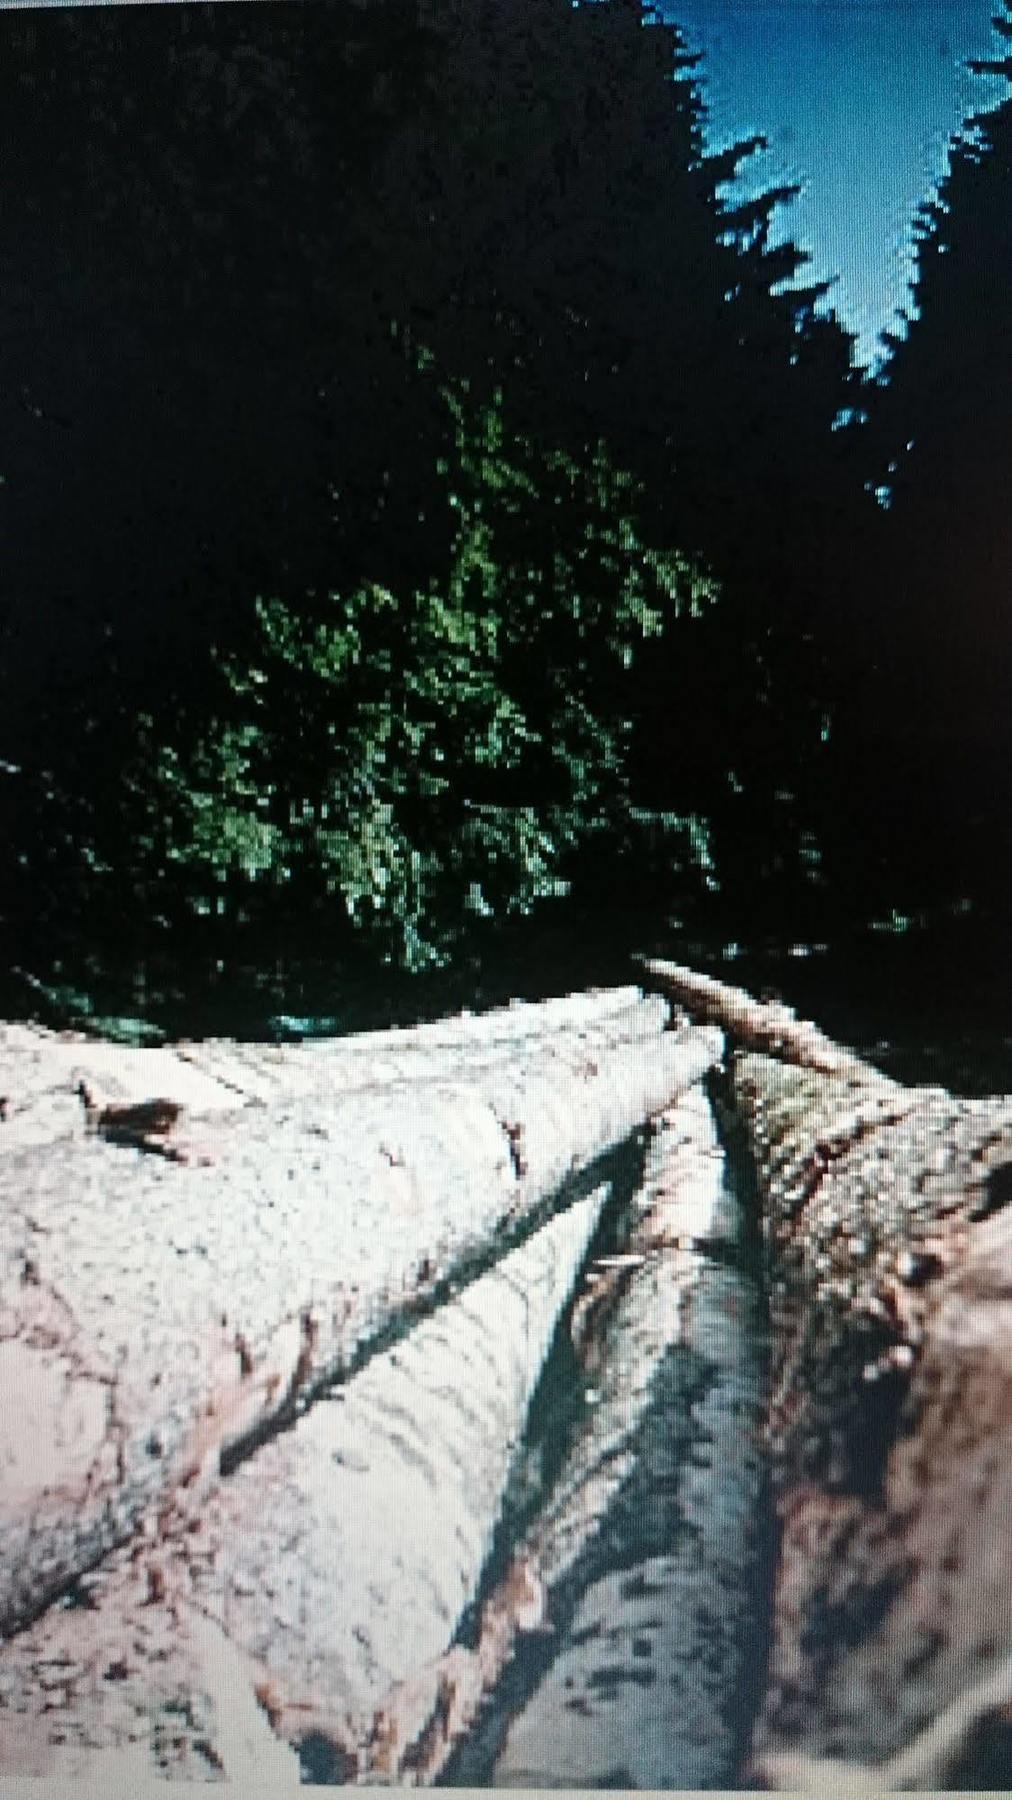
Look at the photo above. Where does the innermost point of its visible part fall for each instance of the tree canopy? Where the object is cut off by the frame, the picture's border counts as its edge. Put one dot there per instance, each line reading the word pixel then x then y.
pixel 217 213
pixel 405 759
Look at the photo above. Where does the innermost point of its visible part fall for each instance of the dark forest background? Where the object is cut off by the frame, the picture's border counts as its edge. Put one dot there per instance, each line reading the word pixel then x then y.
pixel 447 548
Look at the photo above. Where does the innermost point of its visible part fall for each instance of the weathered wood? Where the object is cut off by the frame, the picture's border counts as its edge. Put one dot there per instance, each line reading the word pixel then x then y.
pixel 767 1026
pixel 442 1050
pixel 890 1425
pixel 889 1422
pixel 163 1314
pixel 43 1073
pixel 668 1341
pixel 519 1020
pixel 330 1566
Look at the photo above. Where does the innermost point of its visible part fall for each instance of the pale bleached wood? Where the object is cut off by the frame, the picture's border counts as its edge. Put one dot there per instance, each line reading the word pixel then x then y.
pixel 163 1314
pixel 42 1073
pixel 333 1564
pixel 663 1310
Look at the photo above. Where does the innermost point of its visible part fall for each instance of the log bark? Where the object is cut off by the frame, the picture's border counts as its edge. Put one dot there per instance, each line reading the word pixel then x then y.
pixel 890 1428
pixel 889 1423
pixel 163 1314
pixel 770 1027
pixel 327 1569
pixel 640 1560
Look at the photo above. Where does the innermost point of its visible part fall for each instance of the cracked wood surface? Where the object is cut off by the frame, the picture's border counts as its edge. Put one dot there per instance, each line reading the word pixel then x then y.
pixel 163 1314
pixel 889 1262
pixel 43 1072
pixel 327 1569
pixel 655 1610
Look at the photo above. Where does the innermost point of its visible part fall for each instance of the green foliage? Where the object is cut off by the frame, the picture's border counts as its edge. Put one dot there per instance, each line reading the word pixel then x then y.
pixel 423 756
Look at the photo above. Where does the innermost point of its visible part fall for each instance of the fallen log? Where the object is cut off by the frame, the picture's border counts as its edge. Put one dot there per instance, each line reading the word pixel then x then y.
pixel 445 1049
pixel 889 1424
pixel 648 1686
pixel 767 1026
pixel 42 1072
pixel 640 1561
pixel 164 1314
pixel 326 1569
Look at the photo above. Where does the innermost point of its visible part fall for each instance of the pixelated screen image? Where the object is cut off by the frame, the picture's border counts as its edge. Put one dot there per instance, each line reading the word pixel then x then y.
pixel 505 798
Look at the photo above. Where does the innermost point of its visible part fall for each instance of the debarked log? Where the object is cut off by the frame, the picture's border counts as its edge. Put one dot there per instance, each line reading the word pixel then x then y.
pixel 452 1051
pixel 163 1314
pixel 640 1559
pixel 890 1430
pixel 43 1073
pixel 329 1567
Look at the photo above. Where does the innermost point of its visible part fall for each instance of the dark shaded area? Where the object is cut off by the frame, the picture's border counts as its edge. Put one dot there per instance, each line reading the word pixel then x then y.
pixel 987 1759
pixel 935 722
pixel 321 1764
pixel 212 219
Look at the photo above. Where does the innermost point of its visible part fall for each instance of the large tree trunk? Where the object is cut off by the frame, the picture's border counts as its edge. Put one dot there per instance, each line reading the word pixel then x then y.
pixel 328 1570
pixel 890 1420
pixel 164 1313
pixel 40 1069
pixel 889 1258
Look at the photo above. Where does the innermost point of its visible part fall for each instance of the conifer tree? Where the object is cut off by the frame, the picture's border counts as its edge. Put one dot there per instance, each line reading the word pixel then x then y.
pixel 256 194
pixel 941 424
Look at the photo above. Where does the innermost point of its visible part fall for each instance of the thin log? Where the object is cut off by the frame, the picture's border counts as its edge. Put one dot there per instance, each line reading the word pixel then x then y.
pixel 328 1568
pixel 164 1314
pixel 890 1427
pixel 766 1026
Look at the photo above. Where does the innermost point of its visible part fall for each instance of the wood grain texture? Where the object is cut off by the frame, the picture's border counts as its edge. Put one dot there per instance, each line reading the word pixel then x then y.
pixel 164 1314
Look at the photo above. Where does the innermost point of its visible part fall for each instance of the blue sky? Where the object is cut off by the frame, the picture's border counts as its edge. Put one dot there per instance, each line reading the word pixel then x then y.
pixel 858 99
